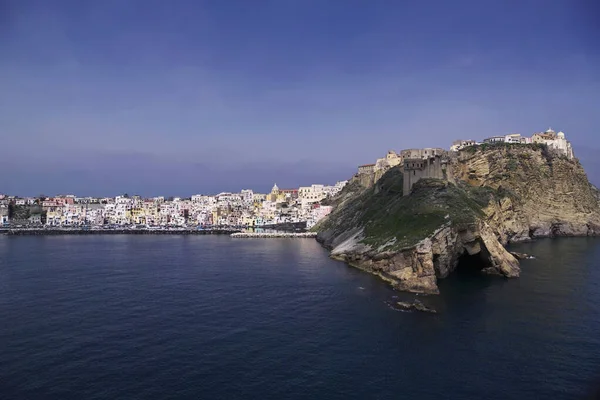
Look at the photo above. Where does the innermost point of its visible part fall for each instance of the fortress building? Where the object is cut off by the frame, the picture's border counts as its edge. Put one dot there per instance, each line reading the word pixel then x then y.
pixel 366 169
pixel 422 153
pixel 423 164
pixel 390 160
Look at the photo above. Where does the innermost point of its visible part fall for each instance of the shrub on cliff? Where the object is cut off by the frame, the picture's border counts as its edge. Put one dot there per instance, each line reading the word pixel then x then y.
pixel 388 217
pixel 432 204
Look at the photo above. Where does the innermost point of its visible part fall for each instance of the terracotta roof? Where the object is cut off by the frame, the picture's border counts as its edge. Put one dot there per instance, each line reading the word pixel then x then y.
pixel 366 165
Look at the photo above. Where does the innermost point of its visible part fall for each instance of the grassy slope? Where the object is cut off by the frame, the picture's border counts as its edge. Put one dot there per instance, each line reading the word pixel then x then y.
pixel 389 217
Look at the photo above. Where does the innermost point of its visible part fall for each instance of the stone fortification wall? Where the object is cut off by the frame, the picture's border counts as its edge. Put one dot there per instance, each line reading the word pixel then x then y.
pixel 419 168
pixel 422 153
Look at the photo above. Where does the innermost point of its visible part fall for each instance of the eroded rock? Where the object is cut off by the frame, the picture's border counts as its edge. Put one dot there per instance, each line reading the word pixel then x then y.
pixel 533 195
pixel 415 305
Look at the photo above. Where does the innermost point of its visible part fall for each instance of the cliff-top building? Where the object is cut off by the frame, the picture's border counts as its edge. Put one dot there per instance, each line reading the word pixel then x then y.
pixel 390 160
pixel 423 154
pixel 423 164
pixel 383 164
pixel 366 169
pixel 494 139
pixel 555 141
pixel 461 144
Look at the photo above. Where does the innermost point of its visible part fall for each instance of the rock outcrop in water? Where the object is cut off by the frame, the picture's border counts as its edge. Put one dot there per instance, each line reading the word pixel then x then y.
pixel 415 305
pixel 495 195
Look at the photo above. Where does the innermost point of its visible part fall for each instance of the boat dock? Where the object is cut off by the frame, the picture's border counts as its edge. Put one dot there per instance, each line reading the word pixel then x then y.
pixel 293 235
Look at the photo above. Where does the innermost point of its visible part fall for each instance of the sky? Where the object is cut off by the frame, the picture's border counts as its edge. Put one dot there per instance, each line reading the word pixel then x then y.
pixel 181 97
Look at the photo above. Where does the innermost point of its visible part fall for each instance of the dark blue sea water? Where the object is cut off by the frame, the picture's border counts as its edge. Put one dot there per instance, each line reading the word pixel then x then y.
pixel 210 317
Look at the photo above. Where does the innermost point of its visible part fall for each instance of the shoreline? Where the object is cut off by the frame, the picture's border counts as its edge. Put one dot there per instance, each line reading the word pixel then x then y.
pixel 265 235
pixel 50 232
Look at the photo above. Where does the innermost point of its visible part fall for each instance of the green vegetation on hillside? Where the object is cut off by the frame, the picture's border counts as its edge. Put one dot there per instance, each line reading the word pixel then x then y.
pixel 23 212
pixel 431 204
pixel 400 221
pixel 483 147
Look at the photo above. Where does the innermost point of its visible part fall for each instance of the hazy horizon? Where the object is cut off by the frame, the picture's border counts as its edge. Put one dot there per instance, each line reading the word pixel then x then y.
pixel 185 97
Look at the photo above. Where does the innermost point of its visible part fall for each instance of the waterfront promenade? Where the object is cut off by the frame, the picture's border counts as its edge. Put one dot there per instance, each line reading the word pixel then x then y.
pixel 116 231
pixel 295 235
pixel 235 232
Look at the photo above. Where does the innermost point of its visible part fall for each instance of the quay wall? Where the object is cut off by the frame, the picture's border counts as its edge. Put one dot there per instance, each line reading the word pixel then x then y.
pixel 43 232
pixel 300 235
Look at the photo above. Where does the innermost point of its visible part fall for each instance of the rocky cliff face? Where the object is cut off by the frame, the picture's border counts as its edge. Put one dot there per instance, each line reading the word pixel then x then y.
pixel 500 194
pixel 543 195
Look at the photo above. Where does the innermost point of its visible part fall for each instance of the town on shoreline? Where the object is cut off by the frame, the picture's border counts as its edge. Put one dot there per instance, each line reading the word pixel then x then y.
pixel 280 209
pixel 283 209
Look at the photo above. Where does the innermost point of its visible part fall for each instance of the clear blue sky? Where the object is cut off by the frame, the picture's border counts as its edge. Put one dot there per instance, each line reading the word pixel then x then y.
pixel 180 97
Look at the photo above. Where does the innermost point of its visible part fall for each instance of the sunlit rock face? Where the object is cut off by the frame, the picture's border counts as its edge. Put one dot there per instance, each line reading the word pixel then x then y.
pixel 494 195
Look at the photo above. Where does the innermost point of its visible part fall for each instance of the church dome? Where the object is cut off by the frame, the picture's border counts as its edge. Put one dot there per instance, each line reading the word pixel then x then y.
pixel 549 130
pixel 561 134
pixel 275 188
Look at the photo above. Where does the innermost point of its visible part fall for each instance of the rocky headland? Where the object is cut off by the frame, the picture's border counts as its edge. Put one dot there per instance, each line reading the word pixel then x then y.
pixel 493 195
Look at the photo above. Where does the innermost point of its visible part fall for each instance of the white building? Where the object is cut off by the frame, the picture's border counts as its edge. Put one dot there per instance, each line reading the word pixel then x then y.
pixel 317 214
pixel 260 197
pixel 495 139
pixel 461 144
pixel 247 195
pixel 3 215
pixel 554 141
pixel 514 138
pixel 312 193
pixel 122 200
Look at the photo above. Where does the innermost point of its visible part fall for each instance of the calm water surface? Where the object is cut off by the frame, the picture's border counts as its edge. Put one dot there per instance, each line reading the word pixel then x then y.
pixel 210 317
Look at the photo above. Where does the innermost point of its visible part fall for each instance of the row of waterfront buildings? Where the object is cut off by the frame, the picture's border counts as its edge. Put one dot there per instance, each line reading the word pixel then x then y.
pixel 243 209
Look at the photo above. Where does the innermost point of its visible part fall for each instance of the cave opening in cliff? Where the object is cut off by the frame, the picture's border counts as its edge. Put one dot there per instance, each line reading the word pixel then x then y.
pixel 472 264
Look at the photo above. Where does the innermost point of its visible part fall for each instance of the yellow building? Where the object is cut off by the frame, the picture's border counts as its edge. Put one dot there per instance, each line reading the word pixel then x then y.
pixel 138 216
pixel 53 217
pixel 274 193
pixel 248 220
pixel 215 216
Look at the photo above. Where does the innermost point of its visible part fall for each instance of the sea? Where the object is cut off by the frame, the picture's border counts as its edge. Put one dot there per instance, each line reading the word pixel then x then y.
pixel 214 317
